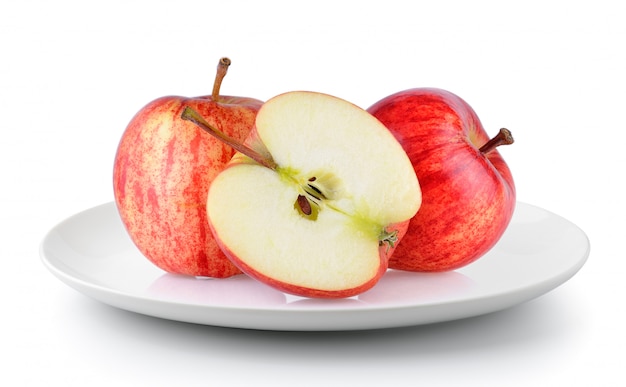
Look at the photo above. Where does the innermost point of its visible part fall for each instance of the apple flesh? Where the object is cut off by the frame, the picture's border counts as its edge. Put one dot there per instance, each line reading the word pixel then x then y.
pixel 318 201
pixel 468 190
pixel 162 172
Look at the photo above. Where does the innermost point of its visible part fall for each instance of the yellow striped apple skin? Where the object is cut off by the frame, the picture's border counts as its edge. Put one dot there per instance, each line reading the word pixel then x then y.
pixel 162 171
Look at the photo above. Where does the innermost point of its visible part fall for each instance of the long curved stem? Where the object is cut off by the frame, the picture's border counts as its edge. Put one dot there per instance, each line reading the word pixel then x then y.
pixel 193 116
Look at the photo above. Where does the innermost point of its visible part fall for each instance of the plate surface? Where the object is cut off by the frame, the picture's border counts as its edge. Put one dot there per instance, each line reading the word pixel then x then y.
pixel 92 253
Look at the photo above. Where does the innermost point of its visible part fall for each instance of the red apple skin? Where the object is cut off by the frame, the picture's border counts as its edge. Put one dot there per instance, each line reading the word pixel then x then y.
pixel 468 198
pixel 162 172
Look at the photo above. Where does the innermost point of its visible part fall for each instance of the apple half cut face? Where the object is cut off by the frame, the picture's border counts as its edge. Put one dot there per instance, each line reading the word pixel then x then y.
pixel 324 220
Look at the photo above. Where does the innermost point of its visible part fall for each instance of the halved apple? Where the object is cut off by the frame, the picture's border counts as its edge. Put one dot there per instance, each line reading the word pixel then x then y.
pixel 318 201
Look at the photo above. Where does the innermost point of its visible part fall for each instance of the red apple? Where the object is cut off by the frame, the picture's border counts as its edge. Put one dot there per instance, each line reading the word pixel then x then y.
pixel 162 172
pixel 468 191
pixel 294 210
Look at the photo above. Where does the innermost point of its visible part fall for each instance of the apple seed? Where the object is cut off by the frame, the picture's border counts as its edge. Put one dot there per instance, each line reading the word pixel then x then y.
pixel 304 205
pixel 319 195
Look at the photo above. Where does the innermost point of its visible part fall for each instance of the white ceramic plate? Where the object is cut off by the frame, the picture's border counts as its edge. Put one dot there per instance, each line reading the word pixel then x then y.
pixel 92 253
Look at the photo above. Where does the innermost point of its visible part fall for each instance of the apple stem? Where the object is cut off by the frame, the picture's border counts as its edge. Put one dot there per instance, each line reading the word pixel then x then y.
pixel 222 69
pixel 504 137
pixel 191 115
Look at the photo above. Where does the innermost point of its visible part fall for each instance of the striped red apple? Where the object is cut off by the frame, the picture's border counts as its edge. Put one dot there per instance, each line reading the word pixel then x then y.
pixel 162 171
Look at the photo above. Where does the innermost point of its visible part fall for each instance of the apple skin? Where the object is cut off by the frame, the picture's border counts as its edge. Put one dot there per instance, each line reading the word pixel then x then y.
pixel 468 197
pixel 162 172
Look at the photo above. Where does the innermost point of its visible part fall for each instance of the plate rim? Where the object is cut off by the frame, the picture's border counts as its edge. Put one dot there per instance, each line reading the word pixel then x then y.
pixel 122 299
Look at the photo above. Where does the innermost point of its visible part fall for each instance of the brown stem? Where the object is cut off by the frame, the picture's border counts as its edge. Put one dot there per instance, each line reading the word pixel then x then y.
pixel 191 115
pixel 504 137
pixel 222 69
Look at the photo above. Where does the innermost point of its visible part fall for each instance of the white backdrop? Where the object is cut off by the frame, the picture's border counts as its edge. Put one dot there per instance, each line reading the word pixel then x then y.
pixel 72 74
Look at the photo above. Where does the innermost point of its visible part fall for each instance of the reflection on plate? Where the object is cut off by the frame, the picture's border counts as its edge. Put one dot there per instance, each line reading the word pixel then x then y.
pixel 92 253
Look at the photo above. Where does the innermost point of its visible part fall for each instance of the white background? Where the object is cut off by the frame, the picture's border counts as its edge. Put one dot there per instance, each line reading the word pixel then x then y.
pixel 72 74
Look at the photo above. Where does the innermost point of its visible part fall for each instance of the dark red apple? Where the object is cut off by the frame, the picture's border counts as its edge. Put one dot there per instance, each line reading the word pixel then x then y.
pixel 468 194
